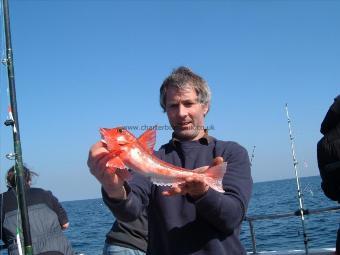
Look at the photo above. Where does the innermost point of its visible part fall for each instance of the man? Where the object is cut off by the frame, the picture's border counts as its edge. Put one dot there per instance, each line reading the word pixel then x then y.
pixel 328 151
pixel 189 218
pixel 46 215
pixel 127 238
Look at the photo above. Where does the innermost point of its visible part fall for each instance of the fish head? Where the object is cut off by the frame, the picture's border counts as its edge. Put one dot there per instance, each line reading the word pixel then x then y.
pixel 115 138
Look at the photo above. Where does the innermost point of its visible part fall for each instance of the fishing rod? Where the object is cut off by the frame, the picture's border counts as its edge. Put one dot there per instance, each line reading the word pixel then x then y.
pixel 14 122
pixel 295 163
pixel 252 155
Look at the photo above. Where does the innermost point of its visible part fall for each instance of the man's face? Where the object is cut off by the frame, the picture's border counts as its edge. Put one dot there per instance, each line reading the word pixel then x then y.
pixel 185 113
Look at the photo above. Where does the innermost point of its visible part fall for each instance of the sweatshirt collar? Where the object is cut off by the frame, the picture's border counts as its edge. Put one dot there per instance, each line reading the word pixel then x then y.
pixel 204 140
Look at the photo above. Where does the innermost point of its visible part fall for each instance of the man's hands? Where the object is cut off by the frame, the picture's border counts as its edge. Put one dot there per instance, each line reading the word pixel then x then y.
pixel 195 187
pixel 110 180
pixel 65 226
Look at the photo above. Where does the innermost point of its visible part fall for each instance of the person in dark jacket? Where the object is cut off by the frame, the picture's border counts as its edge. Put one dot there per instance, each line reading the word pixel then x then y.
pixel 46 216
pixel 127 238
pixel 190 217
pixel 328 154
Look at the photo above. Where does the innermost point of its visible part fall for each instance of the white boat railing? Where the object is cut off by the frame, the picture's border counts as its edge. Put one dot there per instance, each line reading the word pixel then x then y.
pixel 252 218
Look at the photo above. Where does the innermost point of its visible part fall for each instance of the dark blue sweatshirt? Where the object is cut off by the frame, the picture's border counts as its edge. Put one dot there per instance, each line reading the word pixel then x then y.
pixel 180 225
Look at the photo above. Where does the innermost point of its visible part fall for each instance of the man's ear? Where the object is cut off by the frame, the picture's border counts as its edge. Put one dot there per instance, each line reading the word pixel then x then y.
pixel 205 109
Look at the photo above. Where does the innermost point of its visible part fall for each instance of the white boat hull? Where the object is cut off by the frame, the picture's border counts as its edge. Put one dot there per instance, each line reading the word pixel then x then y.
pixel 323 251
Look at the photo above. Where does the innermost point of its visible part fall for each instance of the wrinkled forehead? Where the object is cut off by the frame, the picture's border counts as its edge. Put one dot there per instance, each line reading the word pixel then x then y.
pixel 186 92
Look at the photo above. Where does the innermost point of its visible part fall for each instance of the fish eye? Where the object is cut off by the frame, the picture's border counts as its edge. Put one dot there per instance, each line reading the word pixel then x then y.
pixel 120 130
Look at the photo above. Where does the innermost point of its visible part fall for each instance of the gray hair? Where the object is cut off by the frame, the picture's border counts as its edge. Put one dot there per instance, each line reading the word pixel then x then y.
pixel 183 77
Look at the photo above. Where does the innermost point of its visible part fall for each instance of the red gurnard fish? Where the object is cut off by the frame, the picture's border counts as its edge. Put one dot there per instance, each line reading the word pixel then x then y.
pixel 137 154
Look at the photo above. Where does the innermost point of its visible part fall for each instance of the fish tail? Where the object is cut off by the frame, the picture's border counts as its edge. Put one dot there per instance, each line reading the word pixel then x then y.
pixel 214 176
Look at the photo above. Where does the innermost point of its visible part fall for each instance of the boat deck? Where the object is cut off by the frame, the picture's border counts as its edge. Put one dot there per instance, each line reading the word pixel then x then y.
pixel 323 251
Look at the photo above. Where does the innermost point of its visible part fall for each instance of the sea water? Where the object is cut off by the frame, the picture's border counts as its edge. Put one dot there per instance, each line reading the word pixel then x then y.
pixel 287 233
pixel 90 219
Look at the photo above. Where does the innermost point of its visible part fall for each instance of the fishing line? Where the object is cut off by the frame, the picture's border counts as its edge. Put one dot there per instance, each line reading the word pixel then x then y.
pixel 252 156
pixel 1 211
pixel 308 187
pixel 19 230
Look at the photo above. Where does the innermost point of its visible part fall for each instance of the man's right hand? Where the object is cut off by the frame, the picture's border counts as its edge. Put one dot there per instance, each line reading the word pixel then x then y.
pixel 111 182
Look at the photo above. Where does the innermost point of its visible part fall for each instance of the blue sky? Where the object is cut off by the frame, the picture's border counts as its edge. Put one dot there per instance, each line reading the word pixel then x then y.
pixel 82 65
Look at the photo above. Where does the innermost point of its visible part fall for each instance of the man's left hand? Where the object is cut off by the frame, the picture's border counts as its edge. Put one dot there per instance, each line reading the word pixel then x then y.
pixel 195 187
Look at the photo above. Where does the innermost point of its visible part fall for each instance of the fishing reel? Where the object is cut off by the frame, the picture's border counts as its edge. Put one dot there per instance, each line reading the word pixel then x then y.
pixel 9 122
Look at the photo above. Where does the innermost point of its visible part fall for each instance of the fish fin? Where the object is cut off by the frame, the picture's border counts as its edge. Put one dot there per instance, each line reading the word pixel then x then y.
pixel 200 170
pixel 203 169
pixel 164 181
pixel 214 176
pixel 217 161
pixel 110 144
pixel 115 162
pixel 148 140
